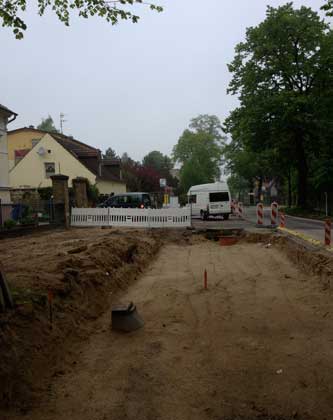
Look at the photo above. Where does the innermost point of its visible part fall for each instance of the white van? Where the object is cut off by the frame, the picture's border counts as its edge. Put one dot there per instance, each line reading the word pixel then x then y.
pixel 210 200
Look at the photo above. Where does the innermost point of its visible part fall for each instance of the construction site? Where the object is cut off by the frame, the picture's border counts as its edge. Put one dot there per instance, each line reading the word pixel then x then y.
pixel 238 332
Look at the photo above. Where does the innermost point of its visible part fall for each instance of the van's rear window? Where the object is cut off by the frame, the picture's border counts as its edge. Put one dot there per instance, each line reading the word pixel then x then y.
pixel 219 196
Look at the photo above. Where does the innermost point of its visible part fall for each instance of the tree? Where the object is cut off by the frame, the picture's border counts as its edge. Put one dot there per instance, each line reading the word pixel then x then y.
pixel 47 124
pixel 161 163
pixel 108 10
pixel 210 124
pixel 283 76
pixel 199 152
pixel 328 7
pixel 110 154
pixel 139 177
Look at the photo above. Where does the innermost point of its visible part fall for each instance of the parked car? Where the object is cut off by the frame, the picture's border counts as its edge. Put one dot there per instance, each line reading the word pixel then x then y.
pixel 129 200
pixel 210 200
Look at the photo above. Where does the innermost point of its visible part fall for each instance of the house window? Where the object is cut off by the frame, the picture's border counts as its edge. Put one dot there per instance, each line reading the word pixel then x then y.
pixel 49 169
pixel 34 142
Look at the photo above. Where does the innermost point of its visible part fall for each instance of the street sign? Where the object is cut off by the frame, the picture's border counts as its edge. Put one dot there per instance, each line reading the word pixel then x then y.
pixel 163 182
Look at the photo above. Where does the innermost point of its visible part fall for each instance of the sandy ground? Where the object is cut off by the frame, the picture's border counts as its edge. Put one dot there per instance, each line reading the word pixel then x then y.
pixel 256 344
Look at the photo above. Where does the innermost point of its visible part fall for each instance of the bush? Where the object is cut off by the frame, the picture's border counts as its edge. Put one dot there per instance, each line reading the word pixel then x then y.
pixel 29 220
pixel 9 224
pixel 45 193
pixel 92 193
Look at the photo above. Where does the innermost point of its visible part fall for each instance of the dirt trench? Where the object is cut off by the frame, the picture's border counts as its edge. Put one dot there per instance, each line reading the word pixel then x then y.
pixel 256 345
pixel 82 269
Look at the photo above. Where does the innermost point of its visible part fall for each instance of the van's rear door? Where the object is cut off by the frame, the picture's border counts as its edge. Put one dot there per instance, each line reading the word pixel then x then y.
pixel 219 202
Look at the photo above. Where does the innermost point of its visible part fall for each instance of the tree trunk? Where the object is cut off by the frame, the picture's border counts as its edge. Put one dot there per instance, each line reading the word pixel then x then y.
pixel 302 172
pixel 259 192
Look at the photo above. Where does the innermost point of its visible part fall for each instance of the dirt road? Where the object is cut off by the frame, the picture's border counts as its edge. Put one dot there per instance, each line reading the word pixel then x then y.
pixel 257 343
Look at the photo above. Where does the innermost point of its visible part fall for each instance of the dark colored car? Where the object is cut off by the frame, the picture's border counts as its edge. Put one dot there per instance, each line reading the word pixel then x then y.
pixel 129 200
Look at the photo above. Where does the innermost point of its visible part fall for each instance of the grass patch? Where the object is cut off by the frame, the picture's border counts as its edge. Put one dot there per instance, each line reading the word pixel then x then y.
pixel 306 213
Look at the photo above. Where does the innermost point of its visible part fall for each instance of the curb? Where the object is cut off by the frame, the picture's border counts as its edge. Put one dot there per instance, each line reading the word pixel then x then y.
pixel 306 238
pixel 305 219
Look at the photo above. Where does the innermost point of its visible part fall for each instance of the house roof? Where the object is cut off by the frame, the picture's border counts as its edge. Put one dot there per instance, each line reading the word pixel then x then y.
pixel 87 155
pixel 7 111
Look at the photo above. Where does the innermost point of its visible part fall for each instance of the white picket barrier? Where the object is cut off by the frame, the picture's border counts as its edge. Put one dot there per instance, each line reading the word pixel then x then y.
pixel 145 218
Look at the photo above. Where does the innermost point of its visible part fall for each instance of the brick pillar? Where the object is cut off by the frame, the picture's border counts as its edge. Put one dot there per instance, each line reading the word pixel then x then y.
pixel 60 199
pixel 80 192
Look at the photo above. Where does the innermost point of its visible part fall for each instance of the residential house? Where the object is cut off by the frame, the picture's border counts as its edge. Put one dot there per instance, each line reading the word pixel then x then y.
pixel 35 155
pixel 6 116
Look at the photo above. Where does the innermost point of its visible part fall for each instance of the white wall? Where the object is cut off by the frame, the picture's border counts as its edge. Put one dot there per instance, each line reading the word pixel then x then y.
pixel 4 167
pixel 108 187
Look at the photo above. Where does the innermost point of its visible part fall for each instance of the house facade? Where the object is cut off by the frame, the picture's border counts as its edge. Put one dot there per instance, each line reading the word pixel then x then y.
pixel 35 155
pixel 6 116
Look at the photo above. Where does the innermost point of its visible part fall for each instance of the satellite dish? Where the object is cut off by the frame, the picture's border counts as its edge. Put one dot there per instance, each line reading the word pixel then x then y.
pixel 41 151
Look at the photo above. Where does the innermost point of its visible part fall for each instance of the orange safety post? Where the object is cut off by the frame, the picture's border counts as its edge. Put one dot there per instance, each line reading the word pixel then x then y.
pixel 260 214
pixel 274 213
pixel 328 227
pixel 240 210
pixel 282 220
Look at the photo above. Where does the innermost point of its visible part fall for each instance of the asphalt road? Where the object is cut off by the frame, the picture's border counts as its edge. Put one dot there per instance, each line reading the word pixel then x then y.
pixel 311 228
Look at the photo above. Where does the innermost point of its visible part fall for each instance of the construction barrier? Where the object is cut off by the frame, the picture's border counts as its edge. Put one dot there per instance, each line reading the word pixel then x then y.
pixel 328 227
pixel 282 219
pixel 274 213
pixel 240 210
pixel 136 218
pixel 260 214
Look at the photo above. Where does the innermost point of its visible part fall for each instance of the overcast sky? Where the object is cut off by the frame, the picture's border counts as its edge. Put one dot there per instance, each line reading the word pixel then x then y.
pixel 131 87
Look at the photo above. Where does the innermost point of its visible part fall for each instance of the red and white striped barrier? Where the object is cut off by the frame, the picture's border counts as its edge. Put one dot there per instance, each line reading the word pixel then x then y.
pixel 274 213
pixel 260 214
pixel 282 220
pixel 328 227
pixel 240 210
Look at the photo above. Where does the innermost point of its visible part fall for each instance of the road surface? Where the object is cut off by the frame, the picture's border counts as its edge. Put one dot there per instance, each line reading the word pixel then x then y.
pixel 311 228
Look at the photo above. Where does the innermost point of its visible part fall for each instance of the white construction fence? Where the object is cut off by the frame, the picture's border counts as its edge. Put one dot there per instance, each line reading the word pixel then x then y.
pixel 144 218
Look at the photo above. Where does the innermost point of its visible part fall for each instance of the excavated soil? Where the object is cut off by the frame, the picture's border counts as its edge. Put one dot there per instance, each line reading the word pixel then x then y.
pixel 82 269
pixel 257 345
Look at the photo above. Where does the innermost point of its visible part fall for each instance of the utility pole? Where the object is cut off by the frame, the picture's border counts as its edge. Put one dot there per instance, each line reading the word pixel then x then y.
pixel 62 121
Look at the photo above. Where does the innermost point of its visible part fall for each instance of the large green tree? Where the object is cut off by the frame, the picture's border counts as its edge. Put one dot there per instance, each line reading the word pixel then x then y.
pixel 112 11
pixel 47 124
pixel 282 74
pixel 156 160
pixel 328 7
pixel 206 123
pixel 199 153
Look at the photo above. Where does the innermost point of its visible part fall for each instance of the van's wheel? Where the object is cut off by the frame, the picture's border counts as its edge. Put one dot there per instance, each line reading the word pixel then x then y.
pixel 226 216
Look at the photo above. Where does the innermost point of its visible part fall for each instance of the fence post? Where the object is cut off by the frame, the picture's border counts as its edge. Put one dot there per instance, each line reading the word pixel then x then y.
pixel 260 214
pixel 328 226
pixel 274 213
